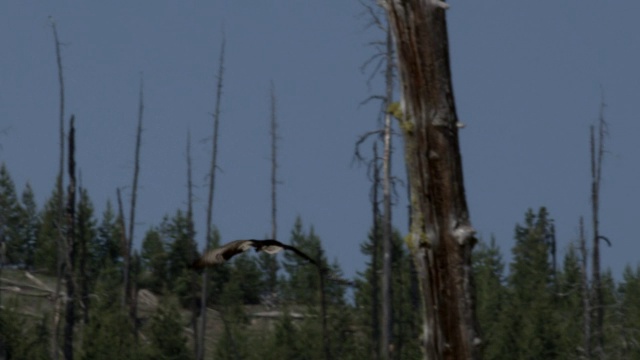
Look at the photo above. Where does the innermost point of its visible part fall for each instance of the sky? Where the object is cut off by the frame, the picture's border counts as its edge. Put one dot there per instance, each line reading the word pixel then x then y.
pixel 528 82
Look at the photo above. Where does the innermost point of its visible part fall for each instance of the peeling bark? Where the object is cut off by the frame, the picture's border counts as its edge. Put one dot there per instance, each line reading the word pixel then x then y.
pixel 441 238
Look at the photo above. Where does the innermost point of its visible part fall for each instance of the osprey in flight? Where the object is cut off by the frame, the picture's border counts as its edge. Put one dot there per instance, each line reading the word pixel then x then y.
pixel 225 252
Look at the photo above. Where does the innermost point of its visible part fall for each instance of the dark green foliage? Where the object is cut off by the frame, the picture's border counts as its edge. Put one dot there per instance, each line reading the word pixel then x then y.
pixel 285 344
pixel 405 329
pixel 218 275
pixel 46 254
pixel 177 234
pixel 628 342
pixel 11 222
pixel 612 321
pixel 166 335
pixel 233 343
pixel 22 340
pixel 109 334
pixel 491 296
pixel 248 278
pixel 531 325
pixel 533 311
pixel 269 267
pixel 154 261
pixel 302 284
pixel 85 233
pixel 569 309
pixel 106 246
pixel 30 227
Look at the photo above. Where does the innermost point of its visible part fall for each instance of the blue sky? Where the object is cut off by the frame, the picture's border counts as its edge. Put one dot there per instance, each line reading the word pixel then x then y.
pixel 527 82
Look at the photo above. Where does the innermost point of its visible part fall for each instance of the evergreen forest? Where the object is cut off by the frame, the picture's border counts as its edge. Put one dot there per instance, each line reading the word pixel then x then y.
pixel 530 308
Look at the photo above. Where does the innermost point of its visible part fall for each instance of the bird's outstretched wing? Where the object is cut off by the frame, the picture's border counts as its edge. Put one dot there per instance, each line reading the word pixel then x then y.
pixel 221 254
pixel 272 246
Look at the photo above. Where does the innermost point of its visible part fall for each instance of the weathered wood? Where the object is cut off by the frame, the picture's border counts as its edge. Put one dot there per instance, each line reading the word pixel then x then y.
pixel 200 348
pixel 441 237
pixel 597 154
pixel 69 272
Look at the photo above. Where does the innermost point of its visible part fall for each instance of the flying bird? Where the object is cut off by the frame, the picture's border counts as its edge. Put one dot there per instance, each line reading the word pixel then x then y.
pixel 225 252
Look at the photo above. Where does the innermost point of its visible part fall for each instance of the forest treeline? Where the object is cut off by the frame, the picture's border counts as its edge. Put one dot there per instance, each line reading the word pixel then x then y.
pixel 531 308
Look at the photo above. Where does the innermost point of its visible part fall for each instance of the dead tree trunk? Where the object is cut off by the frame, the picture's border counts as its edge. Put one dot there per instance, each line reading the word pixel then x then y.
pixel 212 176
pixel 597 154
pixel 271 261
pixel 69 273
pixel 60 185
pixel 192 235
pixel 83 278
pixel 387 321
pixel 584 287
pixel 375 256
pixel 132 211
pixel 441 237
pixel 274 163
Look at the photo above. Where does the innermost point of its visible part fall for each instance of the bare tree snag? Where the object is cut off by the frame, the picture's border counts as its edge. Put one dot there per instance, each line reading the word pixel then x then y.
pixel 212 176
pixel 271 263
pixel 584 287
pixel 60 185
pixel 69 273
pixel 375 285
pixel 597 155
pixel 123 236
pixel 387 321
pixel 83 255
pixel 441 237
pixel 132 211
pixel 274 162
pixel 192 235
pixel 384 56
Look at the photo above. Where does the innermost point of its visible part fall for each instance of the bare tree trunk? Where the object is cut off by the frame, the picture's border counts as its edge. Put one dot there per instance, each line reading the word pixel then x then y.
pixel 387 314
pixel 274 163
pixel 267 262
pixel 375 256
pixel 212 177
pixel 441 237
pixel 82 265
pixel 192 232
pixel 597 154
pixel 132 211
pixel 584 284
pixel 69 272
pixel 123 236
pixel 60 184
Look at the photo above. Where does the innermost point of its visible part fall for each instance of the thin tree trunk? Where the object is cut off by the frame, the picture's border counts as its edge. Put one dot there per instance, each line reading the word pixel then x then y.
pixel 387 314
pixel 132 211
pixel 597 154
pixel 82 265
pixel 375 256
pixel 442 237
pixel 274 163
pixel 267 262
pixel 71 250
pixel 123 236
pixel 194 276
pixel 212 177
pixel 61 250
pixel 584 284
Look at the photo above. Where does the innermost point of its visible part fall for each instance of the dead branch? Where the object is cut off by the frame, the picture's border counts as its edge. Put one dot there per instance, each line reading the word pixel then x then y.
pixel 37 281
